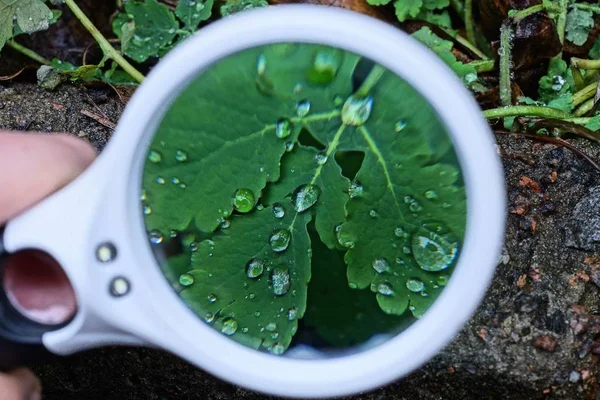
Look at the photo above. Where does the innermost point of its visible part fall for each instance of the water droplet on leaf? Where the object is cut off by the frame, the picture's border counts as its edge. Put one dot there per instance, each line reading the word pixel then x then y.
pixel 154 156
pixel 280 240
pixel 155 236
pixel 434 249
pixel 321 157
pixel 385 289
pixel 160 180
pixel 280 280
pixel 181 156
pixel 278 210
pixel 355 189
pixel 415 285
pixel 283 128
pixel 400 125
pixel 305 197
pixel 243 200
pixel 356 111
pixel 277 349
pixel 381 265
pixel 431 195
pixel 230 326
pixel 254 268
pixel 186 280
pixel 292 314
pixel 303 108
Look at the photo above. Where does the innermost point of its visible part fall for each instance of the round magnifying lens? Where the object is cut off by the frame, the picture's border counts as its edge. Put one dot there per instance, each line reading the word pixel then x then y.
pixel 300 196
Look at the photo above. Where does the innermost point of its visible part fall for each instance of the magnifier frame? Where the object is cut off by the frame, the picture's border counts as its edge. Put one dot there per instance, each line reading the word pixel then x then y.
pixel 102 206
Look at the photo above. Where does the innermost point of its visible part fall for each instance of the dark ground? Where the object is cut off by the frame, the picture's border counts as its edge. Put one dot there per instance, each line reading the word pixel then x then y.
pixel 533 337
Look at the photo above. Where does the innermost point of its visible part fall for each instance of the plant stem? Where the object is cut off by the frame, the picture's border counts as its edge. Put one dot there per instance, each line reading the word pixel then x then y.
pixel 483 65
pixel 585 108
pixel 588 7
pixel 561 24
pixel 471 46
pixel 579 121
pixel 469 24
pixel 506 32
pixel 531 111
pixel 371 80
pixel 585 64
pixel 28 52
pixel 585 93
pixel 106 47
pixel 522 14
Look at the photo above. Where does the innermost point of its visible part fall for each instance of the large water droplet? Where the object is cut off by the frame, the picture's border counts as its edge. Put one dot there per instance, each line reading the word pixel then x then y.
pixel 211 298
pixel 280 280
pixel 147 210
pixel 230 326
pixel 344 239
pixel 154 156
pixel 325 67
pixel 243 200
pixel 415 285
pixel 356 111
pixel 277 349
pixel 283 128
pixel 186 280
pixel 434 249
pixel 278 210
pixel 400 232
pixel 181 156
pixel 280 240
pixel 289 146
pixel 321 157
pixel 381 265
pixel 385 289
pixel 155 236
pixel 355 189
pixel 160 180
pixel 305 197
pixel 431 195
pixel 303 108
pixel 373 213
pixel 254 268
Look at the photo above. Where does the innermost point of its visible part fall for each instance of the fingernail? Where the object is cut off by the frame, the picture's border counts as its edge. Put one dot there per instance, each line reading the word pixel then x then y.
pixel 35 396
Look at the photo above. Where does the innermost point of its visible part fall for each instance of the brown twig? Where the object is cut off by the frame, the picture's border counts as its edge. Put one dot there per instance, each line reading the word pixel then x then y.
pixel 101 120
pixel 555 141
pixel 19 72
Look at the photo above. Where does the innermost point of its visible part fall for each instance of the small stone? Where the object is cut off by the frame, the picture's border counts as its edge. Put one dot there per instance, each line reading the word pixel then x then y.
pixel 546 343
pixel 574 376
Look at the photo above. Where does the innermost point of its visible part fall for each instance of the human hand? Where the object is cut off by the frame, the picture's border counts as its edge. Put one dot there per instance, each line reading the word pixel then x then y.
pixel 33 166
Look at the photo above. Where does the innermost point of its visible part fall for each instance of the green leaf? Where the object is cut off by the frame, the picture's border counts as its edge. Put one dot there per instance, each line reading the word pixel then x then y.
pixel 342 316
pixel 595 50
pixel 266 141
pixel 594 124
pixel 155 28
pixel 557 83
pixel 564 103
pixel 84 73
pixel 443 48
pixel 436 4
pixel 579 25
pixel 56 14
pixel 437 18
pixel 268 305
pixel 192 12
pixel 379 2
pixel 26 15
pixel 407 9
pixel 234 6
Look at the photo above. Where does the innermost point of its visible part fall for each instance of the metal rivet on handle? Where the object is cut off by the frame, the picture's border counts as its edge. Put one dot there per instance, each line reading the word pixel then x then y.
pixel 106 252
pixel 119 287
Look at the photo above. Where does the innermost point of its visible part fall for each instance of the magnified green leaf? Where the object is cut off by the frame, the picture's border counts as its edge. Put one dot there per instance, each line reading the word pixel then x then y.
pixel 268 140
pixel 24 16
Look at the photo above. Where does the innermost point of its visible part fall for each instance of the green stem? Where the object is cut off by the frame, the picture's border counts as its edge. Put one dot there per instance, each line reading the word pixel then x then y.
pixel 106 47
pixel 530 111
pixel 28 52
pixel 579 121
pixel 483 65
pixel 471 46
pixel 561 24
pixel 371 80
pixel 585 108
pixel 585 64
pixel 522 14
pixel 585 93
pixel 588 7
pixel 506 32
pixel 469 24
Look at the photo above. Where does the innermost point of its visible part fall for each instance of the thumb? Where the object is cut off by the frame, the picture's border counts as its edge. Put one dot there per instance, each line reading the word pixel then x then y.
pixel 20 384
pixel 33 166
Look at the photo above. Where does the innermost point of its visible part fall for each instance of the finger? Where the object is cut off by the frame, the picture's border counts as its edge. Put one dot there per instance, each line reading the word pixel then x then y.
pixel 20 384
pixel 38 287
pixel 34 165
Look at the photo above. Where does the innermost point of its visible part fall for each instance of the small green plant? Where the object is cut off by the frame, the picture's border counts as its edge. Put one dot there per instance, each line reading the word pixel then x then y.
pixel 276 148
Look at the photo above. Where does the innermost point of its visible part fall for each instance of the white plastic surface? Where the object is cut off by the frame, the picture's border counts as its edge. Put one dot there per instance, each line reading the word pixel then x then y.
pixel 103 205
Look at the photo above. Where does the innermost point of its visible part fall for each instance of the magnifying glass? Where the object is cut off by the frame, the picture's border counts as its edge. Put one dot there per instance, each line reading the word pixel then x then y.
pixel 300 200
